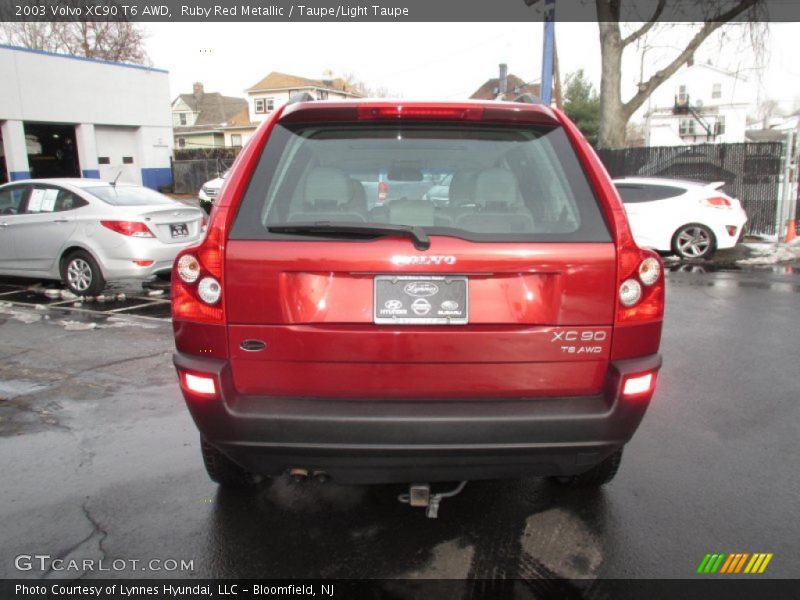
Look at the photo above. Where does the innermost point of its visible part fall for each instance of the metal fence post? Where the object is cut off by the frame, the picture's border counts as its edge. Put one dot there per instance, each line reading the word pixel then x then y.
pixel 783 180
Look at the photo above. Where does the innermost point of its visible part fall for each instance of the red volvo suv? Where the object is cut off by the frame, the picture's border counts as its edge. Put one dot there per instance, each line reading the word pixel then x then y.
pixel 508 327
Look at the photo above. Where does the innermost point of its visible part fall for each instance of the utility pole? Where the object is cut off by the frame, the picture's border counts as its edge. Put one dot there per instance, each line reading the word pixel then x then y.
pixel 548 51
pixel 557 91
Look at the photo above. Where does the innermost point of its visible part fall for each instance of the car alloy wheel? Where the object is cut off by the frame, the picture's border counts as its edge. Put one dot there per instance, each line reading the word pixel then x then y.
pixel 79 274
pixel 694 242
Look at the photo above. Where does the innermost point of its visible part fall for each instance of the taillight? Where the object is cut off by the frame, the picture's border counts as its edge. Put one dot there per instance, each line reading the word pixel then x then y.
pixel 383 191
pixel 641 285
pixel 209 290
pixel 197 286
pixel 129 228
pixel 630 292
pixel 717 202
pixel 187 303
pixel 649 270
pixel 188 268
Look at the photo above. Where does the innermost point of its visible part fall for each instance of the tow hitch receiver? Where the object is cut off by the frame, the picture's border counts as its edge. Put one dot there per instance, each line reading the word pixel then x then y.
pixel 419 494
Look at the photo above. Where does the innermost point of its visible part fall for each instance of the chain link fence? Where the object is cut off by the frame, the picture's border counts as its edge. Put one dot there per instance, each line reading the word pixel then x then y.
pixel 189 175
pixel 751 172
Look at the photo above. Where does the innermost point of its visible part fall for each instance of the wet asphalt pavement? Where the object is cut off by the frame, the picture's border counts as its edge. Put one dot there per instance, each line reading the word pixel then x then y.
pixel 101 460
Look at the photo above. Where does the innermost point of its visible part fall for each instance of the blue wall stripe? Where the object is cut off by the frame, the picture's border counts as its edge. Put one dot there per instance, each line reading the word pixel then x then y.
pixel 17 175
pixel 91 174
pixel 156 177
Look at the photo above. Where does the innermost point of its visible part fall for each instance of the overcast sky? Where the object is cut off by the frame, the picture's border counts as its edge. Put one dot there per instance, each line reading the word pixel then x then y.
pixel 446 61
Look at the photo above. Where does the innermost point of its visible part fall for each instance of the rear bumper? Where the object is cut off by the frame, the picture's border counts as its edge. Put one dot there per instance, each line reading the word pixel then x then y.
pixel 382 441
pixel 725 240
pixel 118 264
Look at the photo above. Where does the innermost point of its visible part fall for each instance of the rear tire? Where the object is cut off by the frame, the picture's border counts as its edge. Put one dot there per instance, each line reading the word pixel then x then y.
pixel 598 475
pixel 694 241
pixel 223 470
pixel 81 274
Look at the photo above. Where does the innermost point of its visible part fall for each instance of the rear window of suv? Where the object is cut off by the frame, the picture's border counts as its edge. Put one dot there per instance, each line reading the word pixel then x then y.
pixel 476 182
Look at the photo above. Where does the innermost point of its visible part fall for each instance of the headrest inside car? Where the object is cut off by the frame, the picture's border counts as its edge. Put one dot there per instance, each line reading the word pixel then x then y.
pixel 326 186
pixel 496 186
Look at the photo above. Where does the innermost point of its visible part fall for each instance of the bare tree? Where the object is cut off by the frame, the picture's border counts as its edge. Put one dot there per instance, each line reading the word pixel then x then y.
pixel 118 41
pixel 614 112
pixel 768 109
pixel 350 82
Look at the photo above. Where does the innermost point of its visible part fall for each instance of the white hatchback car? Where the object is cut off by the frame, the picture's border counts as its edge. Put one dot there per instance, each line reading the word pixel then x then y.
pixel 690 219
pixel 86 231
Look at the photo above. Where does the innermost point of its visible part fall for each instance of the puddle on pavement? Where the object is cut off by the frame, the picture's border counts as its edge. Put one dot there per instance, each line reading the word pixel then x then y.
pixel 157 310
pixel 687 267
pixel 105 306
pixel 30 297
pixel 773 286
pixel 58 314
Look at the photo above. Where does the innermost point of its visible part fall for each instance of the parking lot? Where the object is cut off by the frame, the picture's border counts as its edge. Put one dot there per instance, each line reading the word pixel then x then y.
pixel 101 459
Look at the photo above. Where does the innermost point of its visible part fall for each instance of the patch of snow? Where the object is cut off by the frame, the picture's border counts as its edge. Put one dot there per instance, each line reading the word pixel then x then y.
pixel 77 325
pixel 51 293
pixel 771 254
pixel 21 315
pixel 115 322
pixel 155 293
pixel 67 295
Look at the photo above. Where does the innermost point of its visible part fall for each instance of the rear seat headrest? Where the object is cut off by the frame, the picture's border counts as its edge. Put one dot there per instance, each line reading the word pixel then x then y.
pixel 462 187
pixel 326 185
pixel 358 198
pixel 496 186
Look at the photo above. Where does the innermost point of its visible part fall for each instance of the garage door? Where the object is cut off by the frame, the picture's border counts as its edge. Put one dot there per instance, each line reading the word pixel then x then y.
pixel 117 154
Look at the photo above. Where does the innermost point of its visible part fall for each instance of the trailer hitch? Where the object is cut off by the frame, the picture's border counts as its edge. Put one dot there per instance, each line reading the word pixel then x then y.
pixel 419 494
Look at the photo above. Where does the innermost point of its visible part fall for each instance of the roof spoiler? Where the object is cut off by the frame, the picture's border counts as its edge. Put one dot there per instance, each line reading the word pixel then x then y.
pixel 395 111
pixel 715 185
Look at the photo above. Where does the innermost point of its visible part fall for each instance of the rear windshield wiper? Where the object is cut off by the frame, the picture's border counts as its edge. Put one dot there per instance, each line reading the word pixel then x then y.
pixel 333 228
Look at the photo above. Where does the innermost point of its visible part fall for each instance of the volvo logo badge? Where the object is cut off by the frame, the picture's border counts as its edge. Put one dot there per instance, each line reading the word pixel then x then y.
pixel 423 259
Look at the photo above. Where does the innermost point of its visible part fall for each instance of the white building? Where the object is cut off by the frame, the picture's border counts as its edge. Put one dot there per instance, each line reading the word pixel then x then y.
pixel 700 104
pixel 70 116
pixel 276 88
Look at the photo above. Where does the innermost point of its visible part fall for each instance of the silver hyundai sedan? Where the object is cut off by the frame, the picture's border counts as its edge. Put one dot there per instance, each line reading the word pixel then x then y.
pixel 86 231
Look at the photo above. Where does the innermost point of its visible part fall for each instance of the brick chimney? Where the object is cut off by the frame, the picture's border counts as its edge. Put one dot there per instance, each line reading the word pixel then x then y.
pixel 502 82
pixel 197 90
